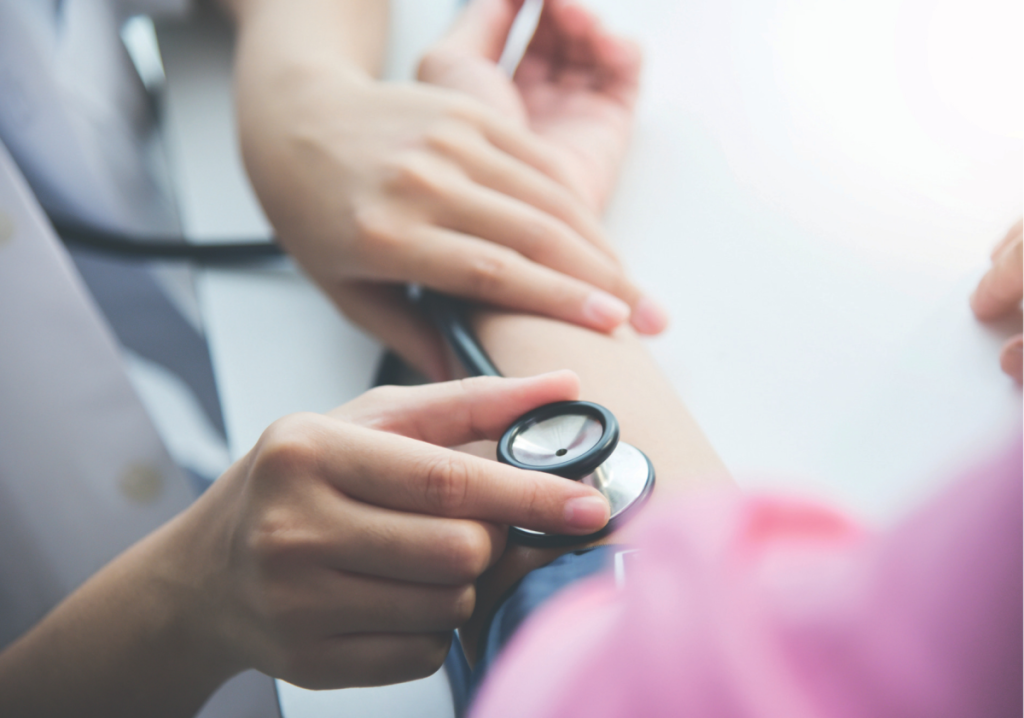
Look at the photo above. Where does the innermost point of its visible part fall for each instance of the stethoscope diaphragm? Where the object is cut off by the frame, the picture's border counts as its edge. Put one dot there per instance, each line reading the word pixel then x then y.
pixel 577 440
pixel 567 438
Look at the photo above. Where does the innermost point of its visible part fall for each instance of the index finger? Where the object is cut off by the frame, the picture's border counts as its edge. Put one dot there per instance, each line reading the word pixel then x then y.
pixel 457 412
pixel 454 263
pixel 407 475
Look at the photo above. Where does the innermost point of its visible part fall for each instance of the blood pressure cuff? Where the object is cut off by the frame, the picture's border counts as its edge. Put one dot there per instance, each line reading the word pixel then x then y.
pixel 532 591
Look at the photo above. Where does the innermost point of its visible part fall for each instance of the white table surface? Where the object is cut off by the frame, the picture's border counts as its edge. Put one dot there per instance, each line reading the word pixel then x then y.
pixel 813 189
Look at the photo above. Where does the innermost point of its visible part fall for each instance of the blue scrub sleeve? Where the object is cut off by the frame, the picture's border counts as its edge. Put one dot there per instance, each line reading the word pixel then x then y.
pixel 532 591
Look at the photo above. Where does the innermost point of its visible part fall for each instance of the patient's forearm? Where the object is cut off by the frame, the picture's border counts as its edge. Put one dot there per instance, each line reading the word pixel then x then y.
pixel 352 31
pixel 616 371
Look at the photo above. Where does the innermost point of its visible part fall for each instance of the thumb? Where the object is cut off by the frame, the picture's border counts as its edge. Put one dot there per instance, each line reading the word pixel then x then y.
pixel 481 29
pixel 383 311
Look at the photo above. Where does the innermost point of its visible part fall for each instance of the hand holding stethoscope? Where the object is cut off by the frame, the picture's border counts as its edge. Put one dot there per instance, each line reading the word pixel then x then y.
pixel 577 440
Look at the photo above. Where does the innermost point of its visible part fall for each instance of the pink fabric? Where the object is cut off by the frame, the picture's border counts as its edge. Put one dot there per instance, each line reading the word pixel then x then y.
pixel 770 607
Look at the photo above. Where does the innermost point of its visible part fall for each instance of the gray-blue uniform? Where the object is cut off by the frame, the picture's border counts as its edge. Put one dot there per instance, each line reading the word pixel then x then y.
pixel 83 471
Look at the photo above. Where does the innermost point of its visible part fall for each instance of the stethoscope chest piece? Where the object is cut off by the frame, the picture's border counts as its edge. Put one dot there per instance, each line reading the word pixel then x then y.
pixel 578 440
pixel 567 438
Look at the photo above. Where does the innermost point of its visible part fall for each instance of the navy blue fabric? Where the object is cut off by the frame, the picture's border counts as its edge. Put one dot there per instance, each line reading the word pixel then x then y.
pixel 460 676
pixel 536 588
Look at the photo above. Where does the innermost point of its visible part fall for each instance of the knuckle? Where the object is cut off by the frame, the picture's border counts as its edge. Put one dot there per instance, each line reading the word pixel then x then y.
pixel 488 273
pixel 463 605
pixel 467 551
pixel 468 109
pixel 436 62
pixel 277 538
pixel 263 539
pixel 539 236
pixel 446 135
pixel 288 448
pixel 429 66
pixel 377 231
pixel 446 484
pixel 416 173
pixel 452 138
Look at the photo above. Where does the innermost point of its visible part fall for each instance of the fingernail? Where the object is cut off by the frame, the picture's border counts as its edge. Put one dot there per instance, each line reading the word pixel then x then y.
pixel 587 513
pixel 649 317
pixel 603 309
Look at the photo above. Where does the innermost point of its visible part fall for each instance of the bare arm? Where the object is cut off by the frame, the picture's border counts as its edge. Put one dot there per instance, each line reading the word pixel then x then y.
pixel 352 33
pixel 617 371
pixel 371 185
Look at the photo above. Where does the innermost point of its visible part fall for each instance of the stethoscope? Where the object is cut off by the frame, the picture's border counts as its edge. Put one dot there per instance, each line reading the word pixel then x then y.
pixel 577 440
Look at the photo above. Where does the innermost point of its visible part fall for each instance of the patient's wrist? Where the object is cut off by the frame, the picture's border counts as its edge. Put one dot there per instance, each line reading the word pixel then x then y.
pixel 618 372
pixel 282 32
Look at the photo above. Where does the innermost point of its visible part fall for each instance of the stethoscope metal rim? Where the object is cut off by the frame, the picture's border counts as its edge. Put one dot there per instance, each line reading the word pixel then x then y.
pixel 576 467
pixel 538 539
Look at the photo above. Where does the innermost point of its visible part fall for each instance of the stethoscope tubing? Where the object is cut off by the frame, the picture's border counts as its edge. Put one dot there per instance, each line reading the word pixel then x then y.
pixel 449 316
pixel 174 249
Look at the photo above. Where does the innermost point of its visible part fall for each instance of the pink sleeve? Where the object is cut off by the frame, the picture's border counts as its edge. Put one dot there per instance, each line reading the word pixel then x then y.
pixel 771 607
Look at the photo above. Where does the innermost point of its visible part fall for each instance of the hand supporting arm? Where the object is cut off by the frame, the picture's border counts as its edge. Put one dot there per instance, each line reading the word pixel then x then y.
pixel 371 185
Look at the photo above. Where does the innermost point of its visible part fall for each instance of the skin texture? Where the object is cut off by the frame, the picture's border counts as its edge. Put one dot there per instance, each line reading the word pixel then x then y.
pixel 373 185
pixel 999 294
pixel 340 551
pixel 575 86
pixel 615 370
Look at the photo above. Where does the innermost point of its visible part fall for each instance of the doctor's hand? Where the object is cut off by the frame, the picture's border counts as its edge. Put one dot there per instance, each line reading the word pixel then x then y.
pixel 575 87
pixel 999 294
pixel 372 185
pixel 342 550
